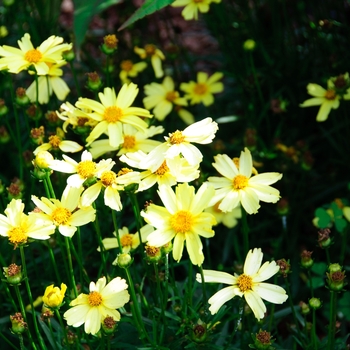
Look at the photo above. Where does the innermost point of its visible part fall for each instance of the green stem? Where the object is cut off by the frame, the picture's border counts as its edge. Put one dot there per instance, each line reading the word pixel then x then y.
pixel 310 281
pixel 52 334
pixel 136 210
pixel 245 231
pixel 203 286
pixel 328 256
pixel 53 261
pixel 239 321
pixel 70 265
pixel 50 192
pixel 332 320
pixel 57 313
pixel 115 225
pixel 313 334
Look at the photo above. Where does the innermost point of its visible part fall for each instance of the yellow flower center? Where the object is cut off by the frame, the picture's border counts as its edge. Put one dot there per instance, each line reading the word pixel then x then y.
pixel 240 182
pixel 17 236
pixel 171 96
pixel 110 41
pixel 126 240
pixel 244 283
pixel 182 221
pixel 150 50
pixel 86 169
pixel 33 56
pixel 236 161
pixel 54 141
pixel 126 65
pixel 112 114
pixel 200 89
pixel 163 169
pixel 176 137
pixel 330 95
pixel 60 216
pixel 124 171
pixel 94 299
pixel 108 178
pixel 129 141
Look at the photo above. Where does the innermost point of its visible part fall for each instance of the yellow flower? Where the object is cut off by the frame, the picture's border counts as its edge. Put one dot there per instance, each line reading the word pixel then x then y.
pixel 64 213
pixel 249 284
pixel 228 219
pixel 130 69
pixel 183 219
pixel 192 7
pixel 102 301
pixel 113 112
pixel 239 186
pixel 203 89
pixel 57 142
pixel 162 97
pixel 48 84
pixel 49 52
pixel 157 56
pixel 53 296
pixel 19 227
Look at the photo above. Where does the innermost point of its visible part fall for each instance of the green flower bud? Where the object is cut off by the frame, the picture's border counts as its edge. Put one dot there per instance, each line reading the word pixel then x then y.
pixel 306 260
pixel 123 260
pixel 304 308
pixel 109 45
pixel 262 340
pixel 315 303
pixel 153 254
pixel 109 325
pixel 199 332
pixel 18 324
pixel 13 274
pixel 249 45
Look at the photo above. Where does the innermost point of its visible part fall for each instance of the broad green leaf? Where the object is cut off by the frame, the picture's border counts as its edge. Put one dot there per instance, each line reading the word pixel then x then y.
pixel 344 305
pixel 149 7
pixel 83 12
pixel 340 223
pixel 324 219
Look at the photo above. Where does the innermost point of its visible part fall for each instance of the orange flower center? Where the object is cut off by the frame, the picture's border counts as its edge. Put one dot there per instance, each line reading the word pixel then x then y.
pixel 86 169
pixel 94 299
pixel 163 169
pixel 126 65
pixel 17 236
pixel 200 89
pixel 112 114
pixel 150 49
pixel 60 216
pixel 129 141
pixel 330 95
pixel 176 137
pixel 108 178
pixel 244 283
pixel 182 221
pixel 240 182
pixel 33 56
pixel 126 240
pixel 124 171
pixel 171 96
pixel 55 141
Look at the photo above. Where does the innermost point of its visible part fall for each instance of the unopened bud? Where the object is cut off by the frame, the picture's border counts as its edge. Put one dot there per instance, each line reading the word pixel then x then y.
pixel 13 274
pixel 18 324
pixel 315 303
pixel 306 260
pixel 123 260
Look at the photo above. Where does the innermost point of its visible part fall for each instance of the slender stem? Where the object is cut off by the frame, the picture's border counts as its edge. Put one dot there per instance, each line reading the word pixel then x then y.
pixel 115 225
pixel 245 231
pixel 239 321
pixel 51 191
pixel 203 286
pixel 57 313
pixel 327 256
pixel 136 210
pixel 313 334
pixel 53 261
pixel 52 334
pixel 310 281
pixel 332 320
pixel 70 264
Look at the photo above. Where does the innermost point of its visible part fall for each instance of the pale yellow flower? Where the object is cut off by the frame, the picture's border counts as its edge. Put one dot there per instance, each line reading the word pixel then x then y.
pixel 237 185
pixel 182 218
pixel 156 56
pixel 49 52
pixel 114 111
pixel 228 219
pixel 203 89
pixel 130 69
pixel 162 98
pixel 19 227
pixel 53 296
pixel 249 284
pixel 102 301
pixel 65 213
pixel 192 7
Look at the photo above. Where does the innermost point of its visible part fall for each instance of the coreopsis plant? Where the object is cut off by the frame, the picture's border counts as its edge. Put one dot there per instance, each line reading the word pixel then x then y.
pixel 102 301
pixel 112 112
pixel 162 97
pixel 202 90
pixel 19 227
pixel 156 56
pixel 193 7
pixel 65 214
pixel 41 58
pixel 53 296
pixel 249 284
pixel 128 69
pixel 238 186
pixel 183 219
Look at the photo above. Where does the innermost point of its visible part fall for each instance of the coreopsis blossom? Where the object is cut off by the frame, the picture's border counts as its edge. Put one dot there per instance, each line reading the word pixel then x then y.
pixel 53 296
pixel 102 301
pixel 49 52
pixel 186 116
pixel 134 140
pixel 84 170
pixel 65 213
pixel 169 173
pixel 48 84
pixel 130 69
pixel 111 183
pixel 57 142
pixel 182 218
pixel 327 99
pixel 19 227
pixel 249 284
pixel 180 142
pixel 192 7
pixel 162 97
pixel 203 89
pixel 156 56
pixel 237 185
pixel 228 219
pixel 129 241
pixel 114 111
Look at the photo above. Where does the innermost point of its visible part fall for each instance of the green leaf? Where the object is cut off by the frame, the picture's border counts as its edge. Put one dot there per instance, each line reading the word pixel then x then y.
pixel 344 305
pixel 324 219
pixel 83 12
pixel 149 7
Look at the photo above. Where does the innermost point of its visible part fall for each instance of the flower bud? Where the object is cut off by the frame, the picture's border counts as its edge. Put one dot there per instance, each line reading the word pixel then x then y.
pixel 43 160
pixel 4 135
pixel 324 240
pixel 21 98
pixel 153 254
pixel 94 82
pixel 53 296
pixel 123 260
pixel 315 303
pixel 34 112
pixel 304 308
pixel 335 277
pixel 199 332
pixel 282 206
pixel 3 108
pixel 284 267
pixel 167 248
pixel 68 55
pixel 13 274
pixel 262 340
pixel 306 260
pixel 249 45
pixel 109 325
pixel 109 45
pixel 18 324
